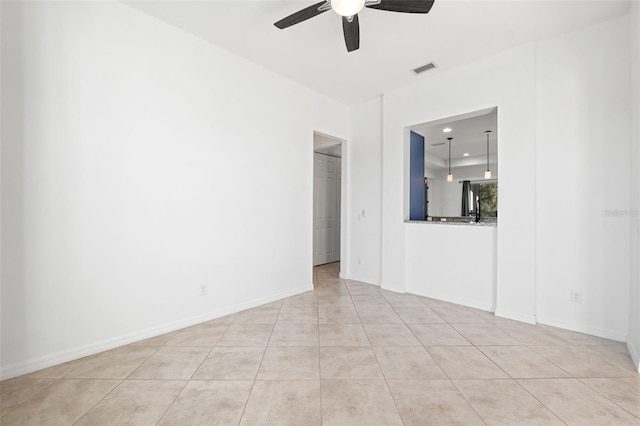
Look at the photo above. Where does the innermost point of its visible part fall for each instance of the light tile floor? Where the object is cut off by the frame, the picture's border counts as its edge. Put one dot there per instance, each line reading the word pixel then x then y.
pixel 346 353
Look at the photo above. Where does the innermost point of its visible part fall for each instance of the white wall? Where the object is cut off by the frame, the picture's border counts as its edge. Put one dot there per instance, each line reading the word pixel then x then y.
pixel 582 172
pixel 139 163
pixel 461 268
pixel 505 81
pixel 562 103
pixel 365 150
pixel 633 339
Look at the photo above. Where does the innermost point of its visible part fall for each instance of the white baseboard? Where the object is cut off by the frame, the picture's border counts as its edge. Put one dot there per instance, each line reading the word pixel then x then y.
pixel 586 329
pixel 362 279
pixel 93 348
pixel 529 319
pixel 635 355
pixel 464 302
pixel 393 287
pixel 357 281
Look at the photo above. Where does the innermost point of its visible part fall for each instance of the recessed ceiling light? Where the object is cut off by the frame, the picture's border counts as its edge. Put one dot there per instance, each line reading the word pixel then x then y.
pixel 446 130
pixel 466 154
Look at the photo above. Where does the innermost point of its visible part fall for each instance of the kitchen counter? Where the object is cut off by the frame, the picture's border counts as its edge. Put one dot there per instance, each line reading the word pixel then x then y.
pixel 493 223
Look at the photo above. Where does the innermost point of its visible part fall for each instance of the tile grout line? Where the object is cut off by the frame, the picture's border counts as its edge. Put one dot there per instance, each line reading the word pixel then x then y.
pixel 184 386
pixel 449 379
pixel 253 383
pixel 396 307
pixel 531 348
pixel 101 399
pixel 194 371
pixel 509 377
pixel 603 395
pixel 190 377
pixel 539 402
pixel 375 356
pixel 114 388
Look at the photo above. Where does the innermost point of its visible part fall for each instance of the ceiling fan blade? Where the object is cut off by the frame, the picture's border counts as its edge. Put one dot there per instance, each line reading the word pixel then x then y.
pixel 406 6
pixel 302 15
pixel 351 33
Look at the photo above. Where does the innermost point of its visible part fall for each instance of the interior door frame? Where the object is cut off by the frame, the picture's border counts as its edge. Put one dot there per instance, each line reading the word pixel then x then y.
pixel 344 204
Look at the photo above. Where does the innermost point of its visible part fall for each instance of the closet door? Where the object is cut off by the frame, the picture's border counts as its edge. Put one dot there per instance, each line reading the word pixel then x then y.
pixel 326 209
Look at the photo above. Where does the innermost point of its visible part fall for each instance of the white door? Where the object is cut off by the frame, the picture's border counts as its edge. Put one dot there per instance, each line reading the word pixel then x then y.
pixel 326 209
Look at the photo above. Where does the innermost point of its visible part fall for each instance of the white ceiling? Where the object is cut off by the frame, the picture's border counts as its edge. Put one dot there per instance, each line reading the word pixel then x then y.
pixel 391 44
pixel 468 137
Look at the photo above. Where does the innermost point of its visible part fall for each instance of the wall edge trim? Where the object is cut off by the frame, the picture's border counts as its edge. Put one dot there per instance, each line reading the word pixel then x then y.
pixel 635 355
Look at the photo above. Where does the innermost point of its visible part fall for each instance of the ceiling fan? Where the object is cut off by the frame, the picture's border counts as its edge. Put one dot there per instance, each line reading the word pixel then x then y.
pixel 349 9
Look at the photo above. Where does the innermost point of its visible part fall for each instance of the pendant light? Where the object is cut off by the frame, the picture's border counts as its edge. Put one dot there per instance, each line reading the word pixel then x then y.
pixel 449 176
pixel 487 173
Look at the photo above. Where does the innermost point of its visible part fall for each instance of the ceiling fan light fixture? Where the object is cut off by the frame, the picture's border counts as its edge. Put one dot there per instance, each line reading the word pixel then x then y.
pixel 347 7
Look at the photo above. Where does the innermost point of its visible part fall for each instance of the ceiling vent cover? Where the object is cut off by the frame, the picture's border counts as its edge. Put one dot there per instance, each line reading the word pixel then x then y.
pixel 424 68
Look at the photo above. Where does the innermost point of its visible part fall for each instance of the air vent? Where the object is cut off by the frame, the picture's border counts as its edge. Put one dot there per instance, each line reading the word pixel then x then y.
pixel 437 144
pixel 424 68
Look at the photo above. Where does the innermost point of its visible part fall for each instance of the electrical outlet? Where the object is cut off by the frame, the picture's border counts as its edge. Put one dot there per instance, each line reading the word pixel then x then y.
pixel 203 290
pixel 575 296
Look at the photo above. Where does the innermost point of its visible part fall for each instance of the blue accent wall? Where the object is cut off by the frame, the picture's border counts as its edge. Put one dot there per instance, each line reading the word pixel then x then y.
pixel 416 177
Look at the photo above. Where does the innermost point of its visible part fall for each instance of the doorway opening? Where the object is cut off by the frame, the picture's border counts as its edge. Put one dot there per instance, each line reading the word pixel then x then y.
pixel 327 199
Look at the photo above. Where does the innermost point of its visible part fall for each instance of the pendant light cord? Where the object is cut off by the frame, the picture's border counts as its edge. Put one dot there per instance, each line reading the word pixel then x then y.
pixel 487 132
pixel 449 139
